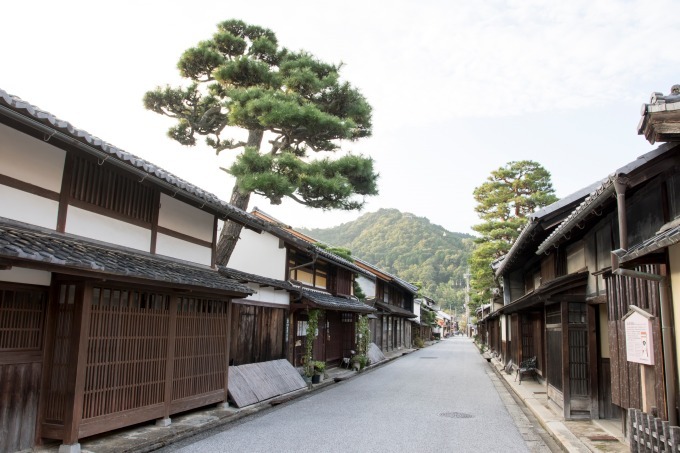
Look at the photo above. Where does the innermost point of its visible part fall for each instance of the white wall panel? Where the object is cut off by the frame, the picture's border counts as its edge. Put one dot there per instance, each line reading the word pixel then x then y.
pixel 183 250
pixel 103 228
pixel 26 276
pixel 30 160
pixel 259 254
pixel 183 218
pixel 269 295
pixel 25 207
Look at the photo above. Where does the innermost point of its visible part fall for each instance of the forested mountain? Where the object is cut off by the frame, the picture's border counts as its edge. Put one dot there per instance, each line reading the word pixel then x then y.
pixel 409 247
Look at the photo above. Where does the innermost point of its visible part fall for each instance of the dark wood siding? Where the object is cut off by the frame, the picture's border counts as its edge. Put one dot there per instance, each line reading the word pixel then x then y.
pixel 257 334
pixel 101 186
pixel 22 320
pixel 622 292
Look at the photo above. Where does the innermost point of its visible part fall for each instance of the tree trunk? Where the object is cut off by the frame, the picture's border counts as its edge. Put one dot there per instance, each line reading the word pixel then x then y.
pixel 232 230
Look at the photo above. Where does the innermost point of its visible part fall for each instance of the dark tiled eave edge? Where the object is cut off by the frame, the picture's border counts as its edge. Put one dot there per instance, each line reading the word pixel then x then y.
pixel 538 296
pixel 657 242
pixel 47 249
pixel 592 202
pixel 16 108
pixel 395 310
pixel 329 302
pixel 245 277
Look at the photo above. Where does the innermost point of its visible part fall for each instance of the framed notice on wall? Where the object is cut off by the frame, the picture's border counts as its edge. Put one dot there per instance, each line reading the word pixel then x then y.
pixel 639 343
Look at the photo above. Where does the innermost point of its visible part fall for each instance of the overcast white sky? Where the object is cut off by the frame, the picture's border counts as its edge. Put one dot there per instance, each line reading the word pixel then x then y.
pixel 458 88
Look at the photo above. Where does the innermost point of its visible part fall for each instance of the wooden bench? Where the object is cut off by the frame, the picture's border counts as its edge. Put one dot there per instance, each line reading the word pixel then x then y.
pixel 527 366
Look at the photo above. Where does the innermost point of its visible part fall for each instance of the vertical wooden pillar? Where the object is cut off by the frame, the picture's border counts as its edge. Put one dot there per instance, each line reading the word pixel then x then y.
pixel 592 318
pixel 228 352
pixel 170 358
pixel 48 353
pixel 566 381
pixel 78 359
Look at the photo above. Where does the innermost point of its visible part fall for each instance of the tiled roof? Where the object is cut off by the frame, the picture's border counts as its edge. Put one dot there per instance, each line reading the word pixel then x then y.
pixel 21 110
pixel 600 195
pixel 534 226
pixel 661 240
pixel 61 252
pixel 329 302
pixel 395 310
pixel 245 277
pixel 413 289
pixel 593 201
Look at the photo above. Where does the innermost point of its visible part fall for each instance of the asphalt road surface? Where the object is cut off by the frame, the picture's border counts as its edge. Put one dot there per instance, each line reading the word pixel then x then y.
pixel 443 398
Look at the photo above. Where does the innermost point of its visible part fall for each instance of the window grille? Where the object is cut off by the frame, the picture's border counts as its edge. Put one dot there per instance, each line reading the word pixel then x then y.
pixel 102 186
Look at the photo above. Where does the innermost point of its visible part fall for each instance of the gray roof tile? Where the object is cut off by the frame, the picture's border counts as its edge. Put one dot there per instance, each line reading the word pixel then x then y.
pixel 19 241
pixel 330 302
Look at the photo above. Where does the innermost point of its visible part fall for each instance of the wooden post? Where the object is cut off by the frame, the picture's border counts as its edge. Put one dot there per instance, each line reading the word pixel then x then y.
pixel 48 354
pixel 170 359
pixel 230 306
pixel 566 390
pixel 78 359
pixel 592 318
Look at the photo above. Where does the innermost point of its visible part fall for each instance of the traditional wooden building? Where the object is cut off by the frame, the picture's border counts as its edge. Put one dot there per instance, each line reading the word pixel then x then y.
pixel 545 313
pixel 421 328
pixel 614 254
pixel 311 278
pixel 392 327
pixel 111 310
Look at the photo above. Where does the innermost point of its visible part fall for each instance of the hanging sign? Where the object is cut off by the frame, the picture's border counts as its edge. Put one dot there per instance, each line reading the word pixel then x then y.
pixel 639 344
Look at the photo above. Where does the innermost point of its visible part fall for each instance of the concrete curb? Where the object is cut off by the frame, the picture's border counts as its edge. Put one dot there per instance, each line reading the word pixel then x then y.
pixel 553 425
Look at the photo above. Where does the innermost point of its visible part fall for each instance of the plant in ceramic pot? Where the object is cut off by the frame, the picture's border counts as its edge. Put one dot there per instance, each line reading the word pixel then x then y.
pixel 319 368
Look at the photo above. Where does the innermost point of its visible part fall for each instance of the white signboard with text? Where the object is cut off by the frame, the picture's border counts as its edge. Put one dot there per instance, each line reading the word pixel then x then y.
pixel 639 344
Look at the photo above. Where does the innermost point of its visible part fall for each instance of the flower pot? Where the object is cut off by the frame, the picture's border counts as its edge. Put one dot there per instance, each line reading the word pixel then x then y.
pixel 316 379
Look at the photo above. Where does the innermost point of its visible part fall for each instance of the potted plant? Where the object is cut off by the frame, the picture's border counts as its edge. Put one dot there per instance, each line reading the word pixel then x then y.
pixel 359 362
pixel 319 368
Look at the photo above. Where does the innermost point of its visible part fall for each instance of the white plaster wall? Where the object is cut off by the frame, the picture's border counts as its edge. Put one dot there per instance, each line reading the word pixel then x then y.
pixel 30 160
pixel 259 254
pixel 25 207
pixel 102 228
pixel 503 333
pixel 674 258
pixel 269 295
pixel 177 248
pixel 26 276
pixel 367 285
pixel 416 310
pixel 183 218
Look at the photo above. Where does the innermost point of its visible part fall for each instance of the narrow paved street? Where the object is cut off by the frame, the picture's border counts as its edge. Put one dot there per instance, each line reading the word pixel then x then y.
pixel 441 398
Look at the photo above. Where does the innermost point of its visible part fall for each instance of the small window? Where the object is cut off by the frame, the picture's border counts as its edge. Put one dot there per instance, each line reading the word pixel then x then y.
pixel 302 328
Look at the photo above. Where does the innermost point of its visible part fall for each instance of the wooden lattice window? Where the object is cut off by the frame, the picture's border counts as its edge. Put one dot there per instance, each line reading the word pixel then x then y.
pixel 200 364
pixel 127 350
pixel 347 317
pixel 102 186
pixel 22 314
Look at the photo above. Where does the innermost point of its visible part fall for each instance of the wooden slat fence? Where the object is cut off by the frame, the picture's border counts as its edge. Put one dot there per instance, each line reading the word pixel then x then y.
pixel 651 434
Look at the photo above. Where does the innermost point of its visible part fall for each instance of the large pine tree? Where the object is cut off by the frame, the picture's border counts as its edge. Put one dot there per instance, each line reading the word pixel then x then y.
pixel 504 201
pixel 290 103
